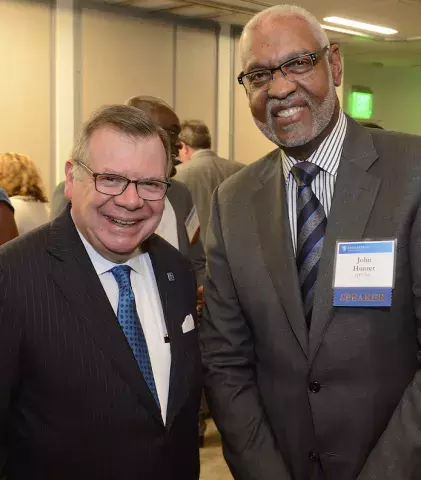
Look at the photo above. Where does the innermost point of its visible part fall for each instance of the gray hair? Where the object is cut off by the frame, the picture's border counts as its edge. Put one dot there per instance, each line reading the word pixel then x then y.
pixel 196 134
pixel 130 121
pixel 285 11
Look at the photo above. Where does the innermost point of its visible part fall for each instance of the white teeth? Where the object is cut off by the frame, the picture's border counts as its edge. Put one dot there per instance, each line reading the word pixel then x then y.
pixel 289 112
pixel 121 222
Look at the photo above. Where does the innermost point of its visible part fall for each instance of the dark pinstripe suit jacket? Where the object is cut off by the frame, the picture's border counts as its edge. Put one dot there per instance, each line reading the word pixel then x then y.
pixel 73 403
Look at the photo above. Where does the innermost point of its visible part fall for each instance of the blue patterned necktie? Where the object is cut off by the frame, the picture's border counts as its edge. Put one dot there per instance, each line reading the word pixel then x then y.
pixel 311 227
pixel 129 321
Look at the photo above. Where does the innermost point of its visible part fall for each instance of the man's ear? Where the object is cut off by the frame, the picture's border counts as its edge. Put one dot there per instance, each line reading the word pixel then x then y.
pixel 68 183
pixel 336 64
pixel 184 147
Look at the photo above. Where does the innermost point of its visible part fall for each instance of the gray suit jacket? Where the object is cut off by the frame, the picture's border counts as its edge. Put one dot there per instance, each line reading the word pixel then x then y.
pixel 182 203
pixel 260 358
pixel 202 174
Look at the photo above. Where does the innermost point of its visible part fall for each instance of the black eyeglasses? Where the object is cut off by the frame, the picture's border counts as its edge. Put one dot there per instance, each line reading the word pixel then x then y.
pixel 114 185
pixel 294 70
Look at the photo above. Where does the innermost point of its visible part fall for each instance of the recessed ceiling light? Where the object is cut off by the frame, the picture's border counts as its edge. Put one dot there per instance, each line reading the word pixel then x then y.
pixel 360 25
pixel 345 30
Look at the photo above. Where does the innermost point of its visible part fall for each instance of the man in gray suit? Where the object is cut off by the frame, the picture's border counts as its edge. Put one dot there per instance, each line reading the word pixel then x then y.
pixel 301 389
pixel 201 170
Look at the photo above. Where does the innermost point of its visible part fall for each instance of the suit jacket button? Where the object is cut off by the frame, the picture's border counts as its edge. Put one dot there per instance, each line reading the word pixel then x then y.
pixel 313 456
pixel 315 387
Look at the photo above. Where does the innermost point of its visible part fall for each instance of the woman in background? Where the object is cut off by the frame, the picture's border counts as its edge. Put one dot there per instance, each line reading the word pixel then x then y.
pixel 21 181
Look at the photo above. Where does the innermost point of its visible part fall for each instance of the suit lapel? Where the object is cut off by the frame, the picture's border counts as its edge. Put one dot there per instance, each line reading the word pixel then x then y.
pixel 174 313
pixel 272 218
pixel 353 200
pixel 78 281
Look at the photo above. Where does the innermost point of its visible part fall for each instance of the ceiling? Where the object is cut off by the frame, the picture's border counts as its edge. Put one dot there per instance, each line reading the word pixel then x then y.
pixel 403 49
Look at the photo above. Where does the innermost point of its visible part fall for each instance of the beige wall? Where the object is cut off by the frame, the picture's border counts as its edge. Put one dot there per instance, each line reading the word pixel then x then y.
pixel 123 56
pixel 396 94
pixel 25 82
pixel 196 75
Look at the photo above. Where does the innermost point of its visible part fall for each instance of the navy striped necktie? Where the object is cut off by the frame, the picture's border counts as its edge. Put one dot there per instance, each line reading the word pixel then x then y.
pixel 311 228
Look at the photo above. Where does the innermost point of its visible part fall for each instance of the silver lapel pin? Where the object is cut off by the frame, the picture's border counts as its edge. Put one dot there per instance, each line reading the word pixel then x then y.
pixel 170 276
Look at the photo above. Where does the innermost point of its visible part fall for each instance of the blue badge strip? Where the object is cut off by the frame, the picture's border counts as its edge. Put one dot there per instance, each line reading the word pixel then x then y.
pixel 346 248
pixel 362 297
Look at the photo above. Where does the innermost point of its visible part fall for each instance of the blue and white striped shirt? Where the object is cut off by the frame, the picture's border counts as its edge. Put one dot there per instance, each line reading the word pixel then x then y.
pixel 327 157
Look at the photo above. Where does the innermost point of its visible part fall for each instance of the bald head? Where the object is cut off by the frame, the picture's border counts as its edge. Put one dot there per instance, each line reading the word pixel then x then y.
pixel 163 115
pixel 152 106
pixel 272 18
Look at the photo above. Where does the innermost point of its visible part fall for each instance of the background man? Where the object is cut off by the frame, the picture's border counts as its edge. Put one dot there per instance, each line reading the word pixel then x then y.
pixel 100 374
pixel 179 202
pixel 301 389
pixel 201 170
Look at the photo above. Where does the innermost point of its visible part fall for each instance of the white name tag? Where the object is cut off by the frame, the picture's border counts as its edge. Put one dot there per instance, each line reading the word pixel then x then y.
pixel 192 225
pixel 364 273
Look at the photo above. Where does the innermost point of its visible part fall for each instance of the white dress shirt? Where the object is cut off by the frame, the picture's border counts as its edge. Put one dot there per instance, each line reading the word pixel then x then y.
pixel 149 310
pixel 327 157
pixel 167 228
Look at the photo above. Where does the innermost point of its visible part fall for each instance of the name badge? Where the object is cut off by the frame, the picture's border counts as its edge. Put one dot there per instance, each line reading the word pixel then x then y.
pixel 192 225
pixel 364 273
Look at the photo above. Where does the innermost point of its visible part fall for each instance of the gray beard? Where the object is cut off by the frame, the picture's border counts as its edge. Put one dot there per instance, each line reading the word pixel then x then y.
pixel 321 115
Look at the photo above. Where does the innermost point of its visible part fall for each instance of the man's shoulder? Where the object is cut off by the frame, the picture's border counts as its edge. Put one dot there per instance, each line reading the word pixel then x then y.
pixel 24 250
pixel 402 150
pixel 388 137
pixel 241 183
pixel 178 188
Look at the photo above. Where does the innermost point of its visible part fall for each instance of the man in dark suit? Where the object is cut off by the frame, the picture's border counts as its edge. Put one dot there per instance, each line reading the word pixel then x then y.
pixel 100 371
pixel 301 389
pixel 201 170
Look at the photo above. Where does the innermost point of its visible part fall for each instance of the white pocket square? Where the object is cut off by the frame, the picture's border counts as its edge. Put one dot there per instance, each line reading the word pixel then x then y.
pixel 188 323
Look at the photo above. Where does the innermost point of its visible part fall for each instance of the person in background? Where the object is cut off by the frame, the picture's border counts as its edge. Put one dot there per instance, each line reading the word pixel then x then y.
pixel 8 229
pixel 100 374
pixel 302 382
pixel 20 179
pixel 179 220
pixel 58 202
pixel 201 170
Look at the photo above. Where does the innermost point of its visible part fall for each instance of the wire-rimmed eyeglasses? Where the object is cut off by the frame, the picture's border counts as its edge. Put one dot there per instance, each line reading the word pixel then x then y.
pixel 149 189
pixel 294 70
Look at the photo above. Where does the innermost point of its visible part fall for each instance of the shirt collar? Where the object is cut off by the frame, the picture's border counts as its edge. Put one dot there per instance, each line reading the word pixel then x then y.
pixel 328 154
pixel 102 265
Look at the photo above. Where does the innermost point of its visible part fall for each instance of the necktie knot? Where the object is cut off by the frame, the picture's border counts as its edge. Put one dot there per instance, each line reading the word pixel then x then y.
pixel 122 275
pixel 304 173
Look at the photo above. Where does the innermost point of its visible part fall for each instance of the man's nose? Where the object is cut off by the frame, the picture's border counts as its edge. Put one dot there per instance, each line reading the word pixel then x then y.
pixel 129 198
pixel 280 86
